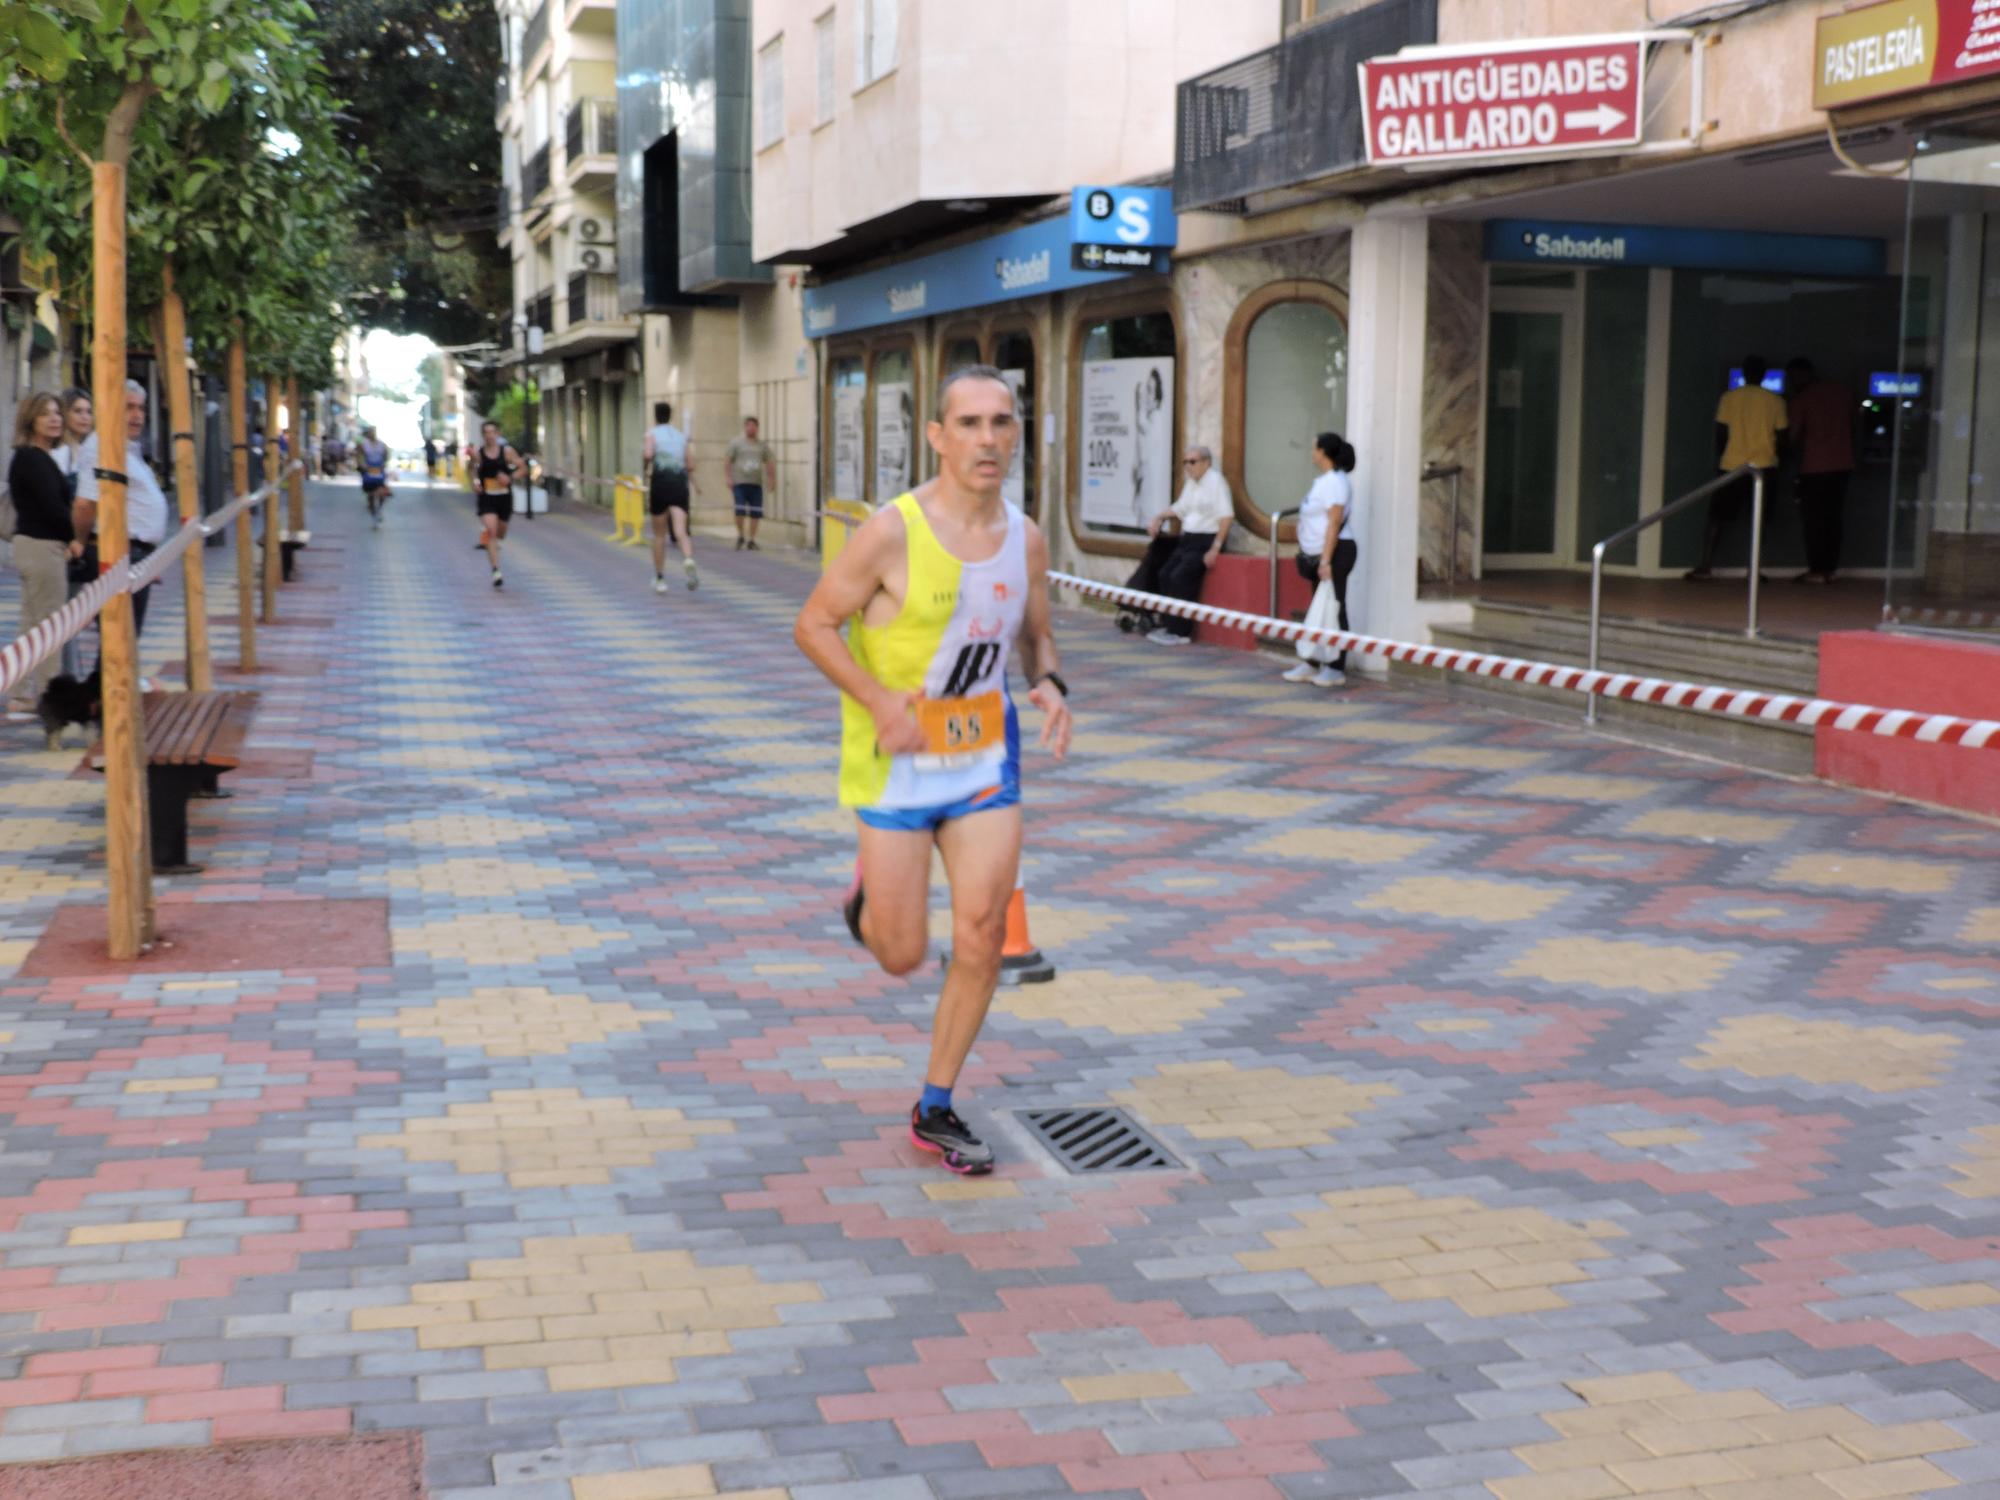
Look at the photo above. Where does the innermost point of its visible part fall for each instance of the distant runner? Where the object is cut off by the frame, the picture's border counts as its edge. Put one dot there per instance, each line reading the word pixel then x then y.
pixel 371 456
pixel 495 465
pixel 666 459
pixel 938 587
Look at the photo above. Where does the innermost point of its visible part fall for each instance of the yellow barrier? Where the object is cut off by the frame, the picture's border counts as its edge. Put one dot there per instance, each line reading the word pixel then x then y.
pixel 833 533
pixel 628 512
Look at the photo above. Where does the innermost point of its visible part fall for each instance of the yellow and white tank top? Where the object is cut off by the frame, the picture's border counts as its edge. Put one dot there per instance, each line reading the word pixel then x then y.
pixel 950 642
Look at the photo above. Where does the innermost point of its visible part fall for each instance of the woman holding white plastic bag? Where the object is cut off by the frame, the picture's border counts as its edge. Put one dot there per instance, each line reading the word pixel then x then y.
pixel 1327 553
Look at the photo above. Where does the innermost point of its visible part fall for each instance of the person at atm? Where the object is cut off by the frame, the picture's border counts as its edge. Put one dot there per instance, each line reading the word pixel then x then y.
pixel 1821 434
pixel 1749 423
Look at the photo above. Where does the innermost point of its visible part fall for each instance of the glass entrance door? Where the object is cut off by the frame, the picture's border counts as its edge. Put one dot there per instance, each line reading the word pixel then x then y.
pixel 1529 508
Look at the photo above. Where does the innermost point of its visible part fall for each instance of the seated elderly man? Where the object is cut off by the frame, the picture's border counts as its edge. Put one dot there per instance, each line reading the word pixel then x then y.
pixel 1187 538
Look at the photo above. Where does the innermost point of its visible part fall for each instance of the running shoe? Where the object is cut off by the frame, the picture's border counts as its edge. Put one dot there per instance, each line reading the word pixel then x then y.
pixel 750 547
pixel 944 1132
pixel 693 578
pixel 851 907
pixel 1329 677
pixel 659 583
pixel 1303 672
pixel 496 578
pixel 1166 637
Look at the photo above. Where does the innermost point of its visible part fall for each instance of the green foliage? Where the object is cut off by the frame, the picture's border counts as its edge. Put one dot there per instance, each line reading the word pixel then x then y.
pixel 222 113
pixel 421 75
pixel 510 410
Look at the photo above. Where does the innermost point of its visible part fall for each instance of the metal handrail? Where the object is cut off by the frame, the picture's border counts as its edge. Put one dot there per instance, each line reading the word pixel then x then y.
pixel 1276 516
pixel 1453 472
pixel 1673 507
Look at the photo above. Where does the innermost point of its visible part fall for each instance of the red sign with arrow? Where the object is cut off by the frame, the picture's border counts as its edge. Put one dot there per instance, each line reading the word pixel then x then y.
pixel 1453 104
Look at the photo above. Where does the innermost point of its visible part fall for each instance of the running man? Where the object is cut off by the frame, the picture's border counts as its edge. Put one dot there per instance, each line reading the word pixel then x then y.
pixel 939 587
pixel 495 465
pixel 666 459
pixel 371 456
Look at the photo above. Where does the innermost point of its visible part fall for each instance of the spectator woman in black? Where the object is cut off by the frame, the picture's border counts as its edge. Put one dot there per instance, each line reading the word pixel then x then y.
pixel 42 536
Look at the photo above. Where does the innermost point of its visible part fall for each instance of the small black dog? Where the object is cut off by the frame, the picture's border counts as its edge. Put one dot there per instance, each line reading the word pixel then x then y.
pixel 66 701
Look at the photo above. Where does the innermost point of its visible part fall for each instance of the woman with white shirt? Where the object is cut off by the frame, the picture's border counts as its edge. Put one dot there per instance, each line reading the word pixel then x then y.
pixel 78 424
pixel 1326 542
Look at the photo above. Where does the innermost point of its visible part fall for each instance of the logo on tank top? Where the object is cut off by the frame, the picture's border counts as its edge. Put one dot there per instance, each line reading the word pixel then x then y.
pixel 974 664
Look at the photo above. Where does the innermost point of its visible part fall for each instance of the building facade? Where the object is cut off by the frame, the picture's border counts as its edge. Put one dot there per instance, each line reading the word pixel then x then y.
pixel 570 339
pixel 927 197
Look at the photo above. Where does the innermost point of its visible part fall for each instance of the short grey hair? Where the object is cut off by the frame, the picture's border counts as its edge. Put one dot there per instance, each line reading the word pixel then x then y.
pixel 1200 451
pixel 133 388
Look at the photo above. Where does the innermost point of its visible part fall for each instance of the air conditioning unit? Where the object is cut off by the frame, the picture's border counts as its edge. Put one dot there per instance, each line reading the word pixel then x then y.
pixel 593 231
pixel 597 258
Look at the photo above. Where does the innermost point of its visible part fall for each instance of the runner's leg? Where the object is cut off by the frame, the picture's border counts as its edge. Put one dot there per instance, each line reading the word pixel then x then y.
pixel 895 882
pixel 982 856
pixel 661 526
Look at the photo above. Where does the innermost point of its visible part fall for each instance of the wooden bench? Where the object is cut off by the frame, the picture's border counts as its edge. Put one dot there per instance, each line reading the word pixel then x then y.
pixel 191 739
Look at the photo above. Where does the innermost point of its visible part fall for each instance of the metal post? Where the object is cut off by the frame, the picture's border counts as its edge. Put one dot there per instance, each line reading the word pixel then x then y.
pixel 1451 585
pixel 1756 546
pixel 1274 566
pixel 1596 618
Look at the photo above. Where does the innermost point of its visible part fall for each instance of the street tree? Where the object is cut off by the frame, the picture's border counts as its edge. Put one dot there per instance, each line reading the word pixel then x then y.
pixel 105 70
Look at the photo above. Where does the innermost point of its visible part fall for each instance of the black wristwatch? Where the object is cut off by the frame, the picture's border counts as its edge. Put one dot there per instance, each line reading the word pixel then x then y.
pixel 1055 677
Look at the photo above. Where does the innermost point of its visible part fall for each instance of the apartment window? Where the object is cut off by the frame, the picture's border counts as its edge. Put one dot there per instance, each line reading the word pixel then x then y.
pixel 771 94
pixel 823 75
pixel 875 47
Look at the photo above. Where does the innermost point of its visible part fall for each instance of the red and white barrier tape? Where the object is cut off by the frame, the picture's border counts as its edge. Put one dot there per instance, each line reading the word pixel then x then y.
pixel 20 656
pixel 1776 708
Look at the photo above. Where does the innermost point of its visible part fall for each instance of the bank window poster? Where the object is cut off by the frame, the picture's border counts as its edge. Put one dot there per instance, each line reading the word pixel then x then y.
pixel 848 435
pixel 1014 488
pixel 895 417
pixel 1128 441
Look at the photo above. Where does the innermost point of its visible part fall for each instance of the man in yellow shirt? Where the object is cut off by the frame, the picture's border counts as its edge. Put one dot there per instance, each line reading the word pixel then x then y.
pixel 1748 421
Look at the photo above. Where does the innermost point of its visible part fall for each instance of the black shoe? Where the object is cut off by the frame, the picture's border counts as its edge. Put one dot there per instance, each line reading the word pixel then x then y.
pixel 750 546
pixel 851 908
pixel 739 544
pixel 944 1132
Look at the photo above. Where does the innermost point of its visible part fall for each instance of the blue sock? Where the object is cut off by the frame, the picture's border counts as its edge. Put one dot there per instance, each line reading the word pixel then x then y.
pixel 934 1099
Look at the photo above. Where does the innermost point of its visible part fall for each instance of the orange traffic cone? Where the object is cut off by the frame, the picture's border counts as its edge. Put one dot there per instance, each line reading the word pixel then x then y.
pixel 1021 962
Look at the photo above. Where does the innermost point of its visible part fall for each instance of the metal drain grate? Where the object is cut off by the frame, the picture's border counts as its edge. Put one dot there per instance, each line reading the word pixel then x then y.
pixel 1096 1138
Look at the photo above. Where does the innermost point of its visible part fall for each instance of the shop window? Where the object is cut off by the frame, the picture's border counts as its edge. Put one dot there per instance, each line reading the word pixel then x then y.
pixel 1294 388
pixel 1126 421
pixel 960 352
pixel 1014 355
pixel 894 395
pixel 847 385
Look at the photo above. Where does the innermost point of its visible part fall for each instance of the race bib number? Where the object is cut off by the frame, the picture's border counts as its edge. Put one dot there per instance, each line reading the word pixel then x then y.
pixel 960 731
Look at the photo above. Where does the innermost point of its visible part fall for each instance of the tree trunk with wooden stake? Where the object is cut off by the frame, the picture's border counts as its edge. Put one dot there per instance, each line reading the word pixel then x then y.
pixel 180 412
pixel 128 857
pixel 239 458
pixel 274 464
pixel 298 487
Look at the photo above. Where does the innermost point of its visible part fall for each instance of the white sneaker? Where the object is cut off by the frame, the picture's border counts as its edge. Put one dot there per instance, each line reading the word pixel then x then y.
pixel 693 578
pixel 1165 637
pixel 1329 677
pixel 659 583
pixel 1301 673
pixel 496 578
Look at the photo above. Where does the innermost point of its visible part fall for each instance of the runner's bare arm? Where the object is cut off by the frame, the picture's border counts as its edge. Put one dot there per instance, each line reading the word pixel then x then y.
pixel 1038 648
pixel 646 455
pixel 852 580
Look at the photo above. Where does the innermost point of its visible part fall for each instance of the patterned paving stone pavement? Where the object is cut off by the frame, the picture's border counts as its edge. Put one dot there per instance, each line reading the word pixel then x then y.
pixel 1560 1120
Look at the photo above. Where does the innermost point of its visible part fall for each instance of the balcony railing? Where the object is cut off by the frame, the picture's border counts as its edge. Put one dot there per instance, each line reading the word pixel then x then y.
pixel 593 298
pixel 1288 114
pixel 592 128
pixel 536 36
pixel 535 176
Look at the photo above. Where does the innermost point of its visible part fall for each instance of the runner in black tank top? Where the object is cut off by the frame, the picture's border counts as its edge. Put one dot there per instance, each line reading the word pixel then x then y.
pixel 494 465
